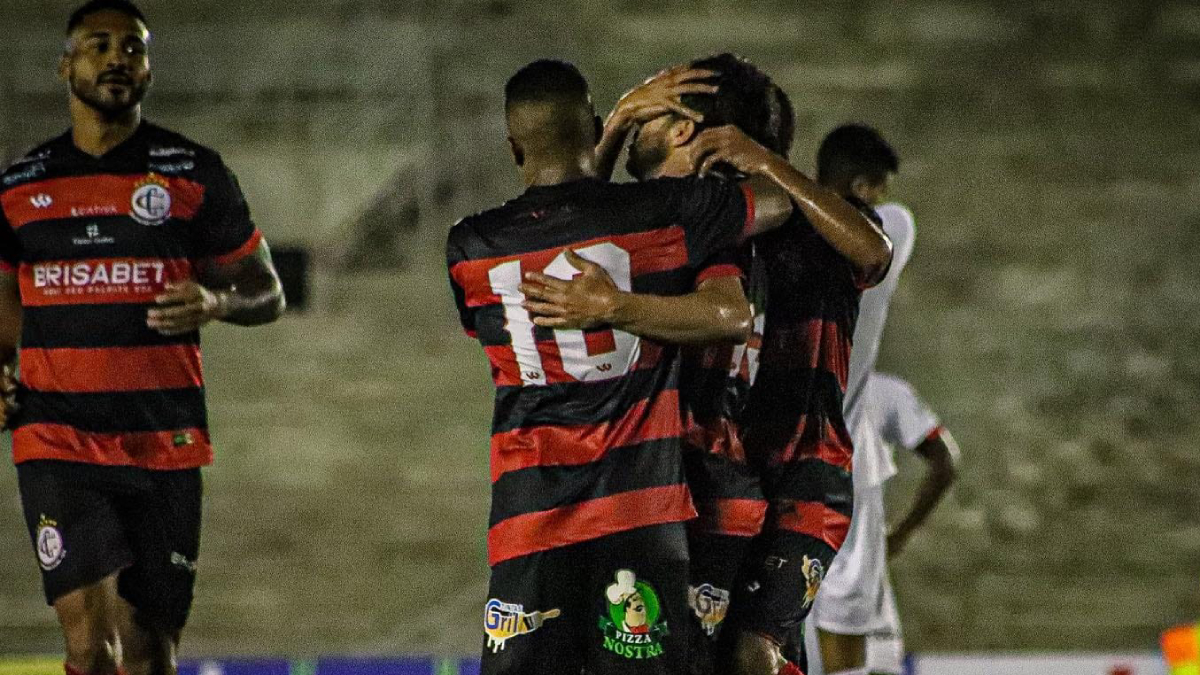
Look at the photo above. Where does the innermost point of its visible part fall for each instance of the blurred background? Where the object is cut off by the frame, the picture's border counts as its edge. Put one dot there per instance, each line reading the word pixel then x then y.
pixel 1050 152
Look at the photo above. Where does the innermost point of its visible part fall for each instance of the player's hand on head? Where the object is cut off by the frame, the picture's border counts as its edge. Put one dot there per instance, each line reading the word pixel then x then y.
pixel 729 145
pixel 185 307
pixel 662 94
pixel 586 301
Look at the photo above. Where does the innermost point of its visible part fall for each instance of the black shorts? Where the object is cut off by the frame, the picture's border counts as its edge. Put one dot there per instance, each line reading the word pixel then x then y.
pixel 88 521
pixel 778 583
pixel 716 561
pixel 617 604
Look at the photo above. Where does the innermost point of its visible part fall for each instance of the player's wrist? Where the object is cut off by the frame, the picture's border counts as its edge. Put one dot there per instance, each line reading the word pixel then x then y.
pixel 223 303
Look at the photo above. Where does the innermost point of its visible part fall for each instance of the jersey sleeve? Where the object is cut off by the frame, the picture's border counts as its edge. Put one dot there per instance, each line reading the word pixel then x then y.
pixel 455 258
pixel 226 233
pixel 10 246
pixel 715 213
pixel 905 420
pixel 722 264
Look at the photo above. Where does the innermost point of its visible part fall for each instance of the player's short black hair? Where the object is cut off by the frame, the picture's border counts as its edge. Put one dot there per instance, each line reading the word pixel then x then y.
pixel 546 80
pixel 854 150
pixel 781 121
pixel 741 98
pixel 92 6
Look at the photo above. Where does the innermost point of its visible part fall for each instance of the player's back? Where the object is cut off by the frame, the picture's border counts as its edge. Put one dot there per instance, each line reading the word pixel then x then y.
pixel 586 430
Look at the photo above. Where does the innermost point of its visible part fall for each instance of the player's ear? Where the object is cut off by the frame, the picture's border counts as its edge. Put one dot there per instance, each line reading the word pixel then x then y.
pixel 863 188
pixel 64 64
pixel 517 152
pixel 681 132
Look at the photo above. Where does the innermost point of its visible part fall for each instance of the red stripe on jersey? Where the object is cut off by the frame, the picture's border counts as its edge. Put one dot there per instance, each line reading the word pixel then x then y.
pixel 595 518
pixel 748 230
pixel 99 281
pixel 816 520
pixel 935 434
pixel 718 271
pixel 654 251
pixel 731 517
pixel 240 252
pixel 112 369
pixel 585 443
pixel 720 436
pixel 163 450
pixel 816 344
pixel 831 448
pixel 93 196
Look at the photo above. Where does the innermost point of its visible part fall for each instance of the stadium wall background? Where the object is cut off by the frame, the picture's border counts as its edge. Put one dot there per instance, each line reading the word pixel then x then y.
pixel 1050 153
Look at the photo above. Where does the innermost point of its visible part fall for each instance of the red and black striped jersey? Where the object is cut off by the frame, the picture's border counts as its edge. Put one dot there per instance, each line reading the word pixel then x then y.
pixel 587 424
pixel 714 385
pixel 793 425
pixel 92 241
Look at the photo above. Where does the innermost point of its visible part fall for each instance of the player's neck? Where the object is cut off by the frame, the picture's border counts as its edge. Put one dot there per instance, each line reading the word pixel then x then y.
pixel 557 171
pixel 95 133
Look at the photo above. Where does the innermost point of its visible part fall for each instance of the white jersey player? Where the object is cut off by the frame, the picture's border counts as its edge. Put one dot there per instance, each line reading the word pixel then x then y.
pixel 858 162
pixel 901 420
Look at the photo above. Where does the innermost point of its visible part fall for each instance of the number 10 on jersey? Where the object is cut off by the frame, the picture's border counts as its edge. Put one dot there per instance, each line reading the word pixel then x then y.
pixel 577 361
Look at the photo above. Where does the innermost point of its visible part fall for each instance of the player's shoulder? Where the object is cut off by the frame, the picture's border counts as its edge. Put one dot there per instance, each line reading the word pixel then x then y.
pixel 891 387
pixel 897 217
pixel 171 152
pixel 35 163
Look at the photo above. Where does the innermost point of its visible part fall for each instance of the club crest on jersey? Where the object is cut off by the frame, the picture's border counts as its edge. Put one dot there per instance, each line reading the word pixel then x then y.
pixel 151 201
pixel 632 628
pixel 814 573
pixel 710 604
pixel 503 621
pixel 49 543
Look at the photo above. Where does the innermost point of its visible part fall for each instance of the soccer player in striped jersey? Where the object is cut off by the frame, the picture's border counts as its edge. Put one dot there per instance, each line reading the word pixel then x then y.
pixel 119 240
pixel 794 435
pixel 586 538
pixel 899 419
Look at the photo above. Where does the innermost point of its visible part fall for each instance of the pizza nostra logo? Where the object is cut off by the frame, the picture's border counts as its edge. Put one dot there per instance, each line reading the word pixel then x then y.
pixel 633 628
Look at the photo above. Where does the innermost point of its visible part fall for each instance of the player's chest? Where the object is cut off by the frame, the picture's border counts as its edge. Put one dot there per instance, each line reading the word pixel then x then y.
pixel 117 213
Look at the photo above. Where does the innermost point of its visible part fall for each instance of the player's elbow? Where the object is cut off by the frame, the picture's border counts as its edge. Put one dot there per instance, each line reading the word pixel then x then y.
pixel 735 322
pixel 875 260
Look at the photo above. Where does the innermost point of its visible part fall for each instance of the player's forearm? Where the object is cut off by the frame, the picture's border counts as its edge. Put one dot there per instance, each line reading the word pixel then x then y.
pixel 696 318
pixel 835 219
pixel 11 315
pixel 936 482
pixel 253 303
pixel 616 129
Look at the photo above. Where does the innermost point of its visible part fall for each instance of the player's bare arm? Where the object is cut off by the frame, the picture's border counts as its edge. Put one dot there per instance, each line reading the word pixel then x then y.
pixel 839 222
pixel 246 292
pixel 657 96
pixel 941 455
pixel 717 311
pixel 10 335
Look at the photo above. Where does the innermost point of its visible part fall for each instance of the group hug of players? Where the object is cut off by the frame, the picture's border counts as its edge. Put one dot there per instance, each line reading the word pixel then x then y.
pixel 677 403
pixel 683 438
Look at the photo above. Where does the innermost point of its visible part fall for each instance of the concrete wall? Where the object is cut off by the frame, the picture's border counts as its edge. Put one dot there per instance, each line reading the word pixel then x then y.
pixel 1049 313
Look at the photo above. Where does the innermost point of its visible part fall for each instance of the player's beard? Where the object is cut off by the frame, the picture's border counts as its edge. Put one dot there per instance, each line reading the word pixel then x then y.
pixel 645 159
pixel 105 101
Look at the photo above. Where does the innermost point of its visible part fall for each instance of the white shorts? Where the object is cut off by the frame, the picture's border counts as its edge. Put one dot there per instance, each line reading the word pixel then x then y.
pixel 851 598
pixel 885 647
